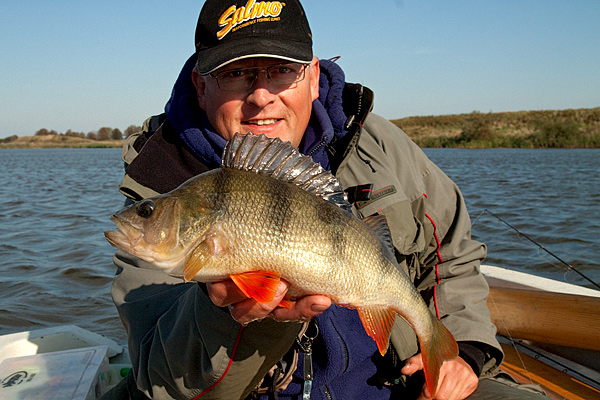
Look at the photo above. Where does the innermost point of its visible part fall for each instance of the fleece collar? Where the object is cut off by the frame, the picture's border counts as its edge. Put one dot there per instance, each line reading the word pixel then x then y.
pixel 192 125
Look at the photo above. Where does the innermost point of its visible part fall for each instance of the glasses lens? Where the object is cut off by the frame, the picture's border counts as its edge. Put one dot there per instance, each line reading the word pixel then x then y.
pixel 237 79
pixel 243 78
pixel 286 74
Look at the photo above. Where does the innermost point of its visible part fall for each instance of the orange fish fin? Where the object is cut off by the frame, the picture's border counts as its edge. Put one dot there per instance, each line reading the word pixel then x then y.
pixel 285 303
pixel 259 285
pixel 442 347
pixel 378 322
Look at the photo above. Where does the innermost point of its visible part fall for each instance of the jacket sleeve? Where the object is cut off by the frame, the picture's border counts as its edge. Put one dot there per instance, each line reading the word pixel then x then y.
pixel 449 269
pixel 182 346
pixel 430 227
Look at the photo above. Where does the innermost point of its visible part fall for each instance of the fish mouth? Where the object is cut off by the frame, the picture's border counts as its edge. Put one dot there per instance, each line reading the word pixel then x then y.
pixel 130 238
pixel 126 237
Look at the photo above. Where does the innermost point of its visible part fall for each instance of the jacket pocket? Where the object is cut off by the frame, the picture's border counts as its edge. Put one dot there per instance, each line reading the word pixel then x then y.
pixel 406 230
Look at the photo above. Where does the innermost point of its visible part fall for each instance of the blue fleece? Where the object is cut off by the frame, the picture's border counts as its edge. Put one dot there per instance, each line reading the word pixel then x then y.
pixel 342 360
pixel 191 122
pixel 342 351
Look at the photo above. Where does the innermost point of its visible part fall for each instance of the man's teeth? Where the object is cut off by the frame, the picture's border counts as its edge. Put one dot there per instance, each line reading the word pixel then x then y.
pixel 263 121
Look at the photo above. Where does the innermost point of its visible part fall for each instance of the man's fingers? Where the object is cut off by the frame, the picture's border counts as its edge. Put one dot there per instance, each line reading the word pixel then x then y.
pixel 249 310
pixel 457 380
pixel 303 309
pixel 412 365
pixel 244 309
pixel 224 293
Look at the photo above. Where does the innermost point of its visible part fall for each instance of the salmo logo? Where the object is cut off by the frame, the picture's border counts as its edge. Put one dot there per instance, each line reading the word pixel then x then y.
pixel 253 12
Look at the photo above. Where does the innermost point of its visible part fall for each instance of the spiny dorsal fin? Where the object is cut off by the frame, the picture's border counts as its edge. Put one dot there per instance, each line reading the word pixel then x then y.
pixel 280 160
pixel 379 225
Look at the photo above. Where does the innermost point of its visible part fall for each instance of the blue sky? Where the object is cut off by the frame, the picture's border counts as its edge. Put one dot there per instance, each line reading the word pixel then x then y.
pixel 83 64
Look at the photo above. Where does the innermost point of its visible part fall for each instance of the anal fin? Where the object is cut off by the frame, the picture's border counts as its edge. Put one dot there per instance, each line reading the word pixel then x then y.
pixel 378 322
pixel 259 285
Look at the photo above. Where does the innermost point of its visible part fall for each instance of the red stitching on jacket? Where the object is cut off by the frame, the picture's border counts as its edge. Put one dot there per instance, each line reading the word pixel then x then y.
pixel 237 342
pixel 437 266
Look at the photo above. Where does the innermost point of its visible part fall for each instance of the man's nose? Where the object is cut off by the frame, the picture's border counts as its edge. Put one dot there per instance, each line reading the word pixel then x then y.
pixel 262 91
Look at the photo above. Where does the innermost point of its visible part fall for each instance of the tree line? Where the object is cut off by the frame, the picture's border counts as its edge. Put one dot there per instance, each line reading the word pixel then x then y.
pixel 104 133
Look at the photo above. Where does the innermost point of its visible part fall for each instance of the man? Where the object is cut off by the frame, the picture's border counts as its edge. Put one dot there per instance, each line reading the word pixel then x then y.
pixel 254 71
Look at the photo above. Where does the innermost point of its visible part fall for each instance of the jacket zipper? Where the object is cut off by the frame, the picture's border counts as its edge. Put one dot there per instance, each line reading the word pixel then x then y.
pixel 326 389
pixel 323 142
pixel 347 357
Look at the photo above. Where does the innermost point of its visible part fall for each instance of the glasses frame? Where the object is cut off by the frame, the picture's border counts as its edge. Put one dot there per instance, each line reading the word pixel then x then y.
pixel 218 75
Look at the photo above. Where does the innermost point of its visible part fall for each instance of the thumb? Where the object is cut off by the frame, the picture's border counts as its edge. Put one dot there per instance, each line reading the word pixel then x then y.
pixel 412 365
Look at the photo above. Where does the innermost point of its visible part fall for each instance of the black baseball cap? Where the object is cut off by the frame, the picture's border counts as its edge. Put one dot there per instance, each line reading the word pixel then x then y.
pixel 230 30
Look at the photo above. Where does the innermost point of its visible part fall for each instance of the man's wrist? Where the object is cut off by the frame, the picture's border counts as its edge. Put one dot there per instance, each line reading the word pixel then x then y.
pixel 473 355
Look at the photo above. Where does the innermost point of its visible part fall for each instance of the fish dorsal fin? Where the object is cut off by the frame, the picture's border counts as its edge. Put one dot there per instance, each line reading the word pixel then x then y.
pixel 379 225
pixel 280 160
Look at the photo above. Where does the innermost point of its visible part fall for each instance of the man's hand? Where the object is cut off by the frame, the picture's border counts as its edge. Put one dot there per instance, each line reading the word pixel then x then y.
pixel 244 309
pixel 457 379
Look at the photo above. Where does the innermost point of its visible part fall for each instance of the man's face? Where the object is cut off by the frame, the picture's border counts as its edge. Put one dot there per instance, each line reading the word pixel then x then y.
pixel 281 112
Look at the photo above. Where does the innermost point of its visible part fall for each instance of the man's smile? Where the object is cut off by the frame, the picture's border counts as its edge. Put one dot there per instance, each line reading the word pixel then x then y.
pixel 261 122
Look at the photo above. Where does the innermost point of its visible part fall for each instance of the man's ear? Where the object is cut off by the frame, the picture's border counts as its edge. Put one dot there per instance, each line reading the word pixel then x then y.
pixel 315 73
pixel 200 88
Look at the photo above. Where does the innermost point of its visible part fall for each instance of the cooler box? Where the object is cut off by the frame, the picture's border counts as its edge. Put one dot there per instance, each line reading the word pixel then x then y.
pixel 79 374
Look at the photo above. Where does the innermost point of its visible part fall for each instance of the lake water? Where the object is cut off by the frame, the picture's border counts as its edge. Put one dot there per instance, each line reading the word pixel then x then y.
pixel 56 267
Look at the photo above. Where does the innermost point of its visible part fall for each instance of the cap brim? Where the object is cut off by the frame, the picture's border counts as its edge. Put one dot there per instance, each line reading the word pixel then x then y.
pixel 212 59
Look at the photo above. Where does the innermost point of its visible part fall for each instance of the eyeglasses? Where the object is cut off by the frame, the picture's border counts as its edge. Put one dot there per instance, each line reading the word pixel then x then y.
pixel 242 79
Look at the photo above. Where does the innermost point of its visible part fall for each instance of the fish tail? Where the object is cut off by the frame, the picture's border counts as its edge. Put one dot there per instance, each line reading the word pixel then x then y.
pixel 434 351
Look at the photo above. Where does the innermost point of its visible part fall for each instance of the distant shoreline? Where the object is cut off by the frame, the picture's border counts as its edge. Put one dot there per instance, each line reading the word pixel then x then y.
pixel 573 128
pixel 57 142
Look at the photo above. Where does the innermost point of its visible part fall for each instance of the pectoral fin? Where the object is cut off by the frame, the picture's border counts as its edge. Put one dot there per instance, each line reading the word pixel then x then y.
pixel 378 322
pixel 259 285
pixel 196 261
pixel 215 243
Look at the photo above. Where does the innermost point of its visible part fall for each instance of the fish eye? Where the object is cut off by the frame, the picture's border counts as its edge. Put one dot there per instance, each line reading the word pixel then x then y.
pixel 145 208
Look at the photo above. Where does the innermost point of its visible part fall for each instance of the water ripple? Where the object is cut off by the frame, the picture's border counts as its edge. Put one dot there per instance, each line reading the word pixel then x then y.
pixel 549 195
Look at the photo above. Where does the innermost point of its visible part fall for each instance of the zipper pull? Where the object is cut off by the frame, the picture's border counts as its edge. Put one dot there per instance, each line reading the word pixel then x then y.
pixel 308 372
pixel 305 346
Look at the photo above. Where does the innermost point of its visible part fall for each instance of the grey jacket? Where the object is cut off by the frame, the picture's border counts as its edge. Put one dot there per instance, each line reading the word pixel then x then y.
pixel 182 345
